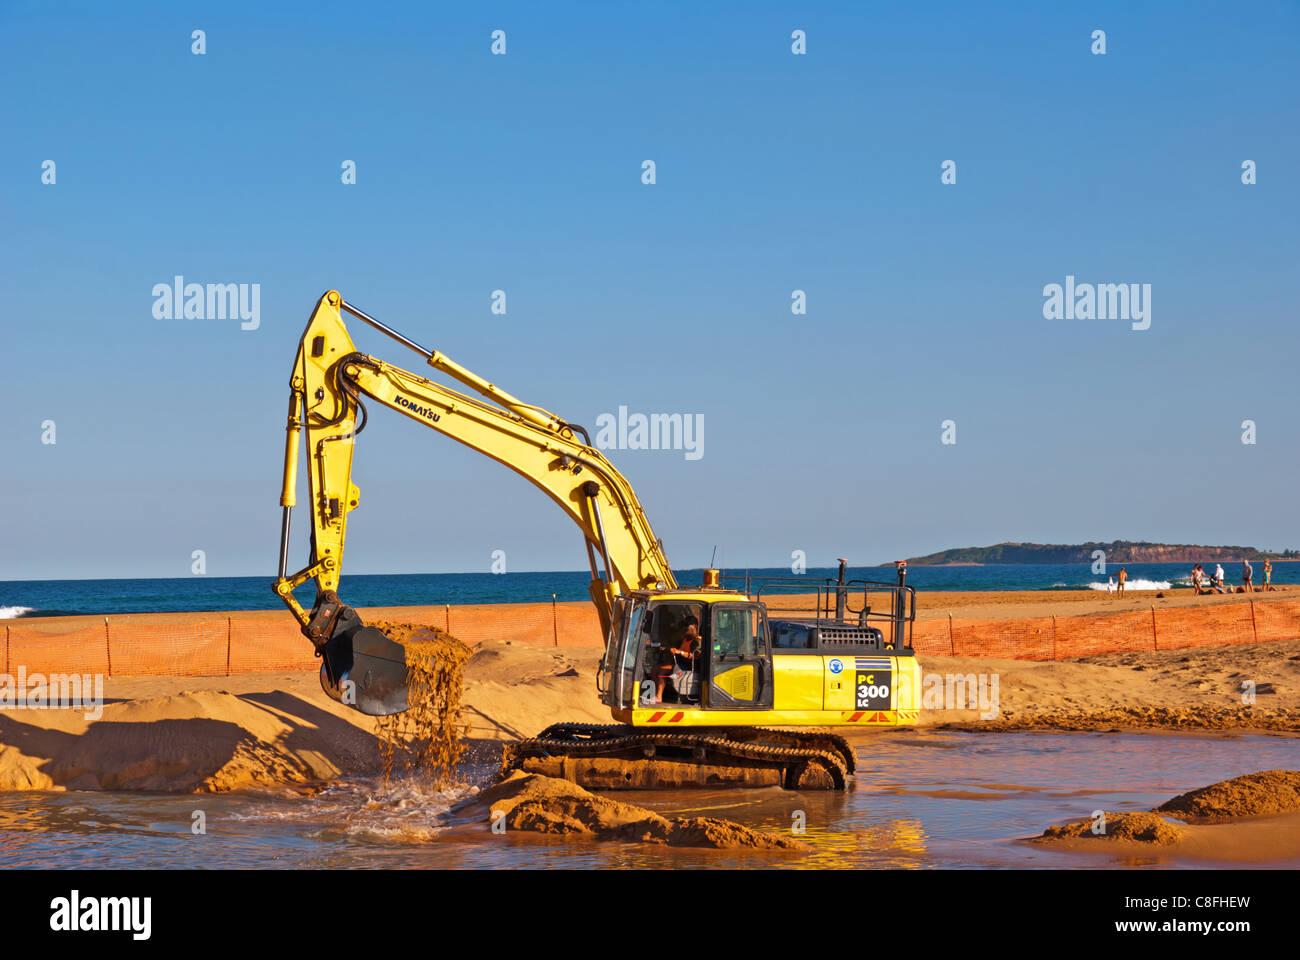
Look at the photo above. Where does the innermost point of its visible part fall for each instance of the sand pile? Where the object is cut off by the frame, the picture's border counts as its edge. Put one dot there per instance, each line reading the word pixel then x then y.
pixel 1263 794
pixel 186 734
pixel 1245 819
pixel 426 740
pixel 200 741
pixel 538 804
pixel 1138 827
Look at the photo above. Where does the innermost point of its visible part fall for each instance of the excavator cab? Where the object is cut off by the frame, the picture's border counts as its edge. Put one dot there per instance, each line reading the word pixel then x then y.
pixel 732 672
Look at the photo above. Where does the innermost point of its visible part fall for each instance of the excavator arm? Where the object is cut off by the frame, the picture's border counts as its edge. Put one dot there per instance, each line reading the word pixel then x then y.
pixel 330 384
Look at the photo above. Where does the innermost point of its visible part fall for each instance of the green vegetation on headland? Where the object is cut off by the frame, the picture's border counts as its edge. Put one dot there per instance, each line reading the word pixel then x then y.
pixel 1117 551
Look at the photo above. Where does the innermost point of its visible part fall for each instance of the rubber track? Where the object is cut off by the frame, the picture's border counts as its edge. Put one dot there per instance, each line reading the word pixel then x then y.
pixel 595 739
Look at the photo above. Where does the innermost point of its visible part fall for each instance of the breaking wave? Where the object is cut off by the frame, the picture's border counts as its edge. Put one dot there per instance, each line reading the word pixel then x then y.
pixel 9 613
pixel 1134 585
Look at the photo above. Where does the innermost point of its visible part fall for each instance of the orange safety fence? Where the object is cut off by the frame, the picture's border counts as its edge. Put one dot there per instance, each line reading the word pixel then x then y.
pixel 1063 638
pixel 216 645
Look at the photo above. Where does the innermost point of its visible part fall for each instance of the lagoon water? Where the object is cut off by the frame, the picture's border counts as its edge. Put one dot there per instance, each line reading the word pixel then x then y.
pixel 919 800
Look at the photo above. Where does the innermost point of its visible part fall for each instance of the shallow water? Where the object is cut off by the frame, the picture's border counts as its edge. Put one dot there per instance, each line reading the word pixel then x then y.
pixel 918 800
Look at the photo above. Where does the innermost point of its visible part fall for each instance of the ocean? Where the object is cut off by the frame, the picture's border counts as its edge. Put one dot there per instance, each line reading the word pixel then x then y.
pixel 54 598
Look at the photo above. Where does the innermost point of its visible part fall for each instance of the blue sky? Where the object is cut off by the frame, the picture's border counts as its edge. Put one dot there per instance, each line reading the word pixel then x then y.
pixel 775 172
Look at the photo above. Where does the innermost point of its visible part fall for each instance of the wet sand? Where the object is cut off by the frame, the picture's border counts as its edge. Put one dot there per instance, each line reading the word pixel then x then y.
pixel 1254 818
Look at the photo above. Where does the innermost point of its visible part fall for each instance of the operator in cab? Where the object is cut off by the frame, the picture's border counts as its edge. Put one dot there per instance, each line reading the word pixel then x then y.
pixel 686 657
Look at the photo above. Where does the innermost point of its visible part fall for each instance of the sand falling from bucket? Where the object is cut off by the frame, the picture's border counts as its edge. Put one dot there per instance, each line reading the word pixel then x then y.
pixel 427 739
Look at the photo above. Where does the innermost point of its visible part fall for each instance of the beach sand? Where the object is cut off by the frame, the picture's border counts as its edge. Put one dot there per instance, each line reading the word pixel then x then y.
pixel 1004 604
pixel 1190 688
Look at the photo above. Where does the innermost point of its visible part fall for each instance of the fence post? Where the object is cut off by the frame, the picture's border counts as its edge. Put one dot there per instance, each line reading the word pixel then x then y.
pixel 108 650
pixel 228 632
pixel 1053 636
pixel 1155 640
pixel 555 623
pixel 448 606
pixel 7 673
pixel 951 646
pixel 1253 629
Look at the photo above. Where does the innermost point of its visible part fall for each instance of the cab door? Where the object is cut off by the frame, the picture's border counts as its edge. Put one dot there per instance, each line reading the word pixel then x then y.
pixel 625 671
pixel 607 674
pixel 740 658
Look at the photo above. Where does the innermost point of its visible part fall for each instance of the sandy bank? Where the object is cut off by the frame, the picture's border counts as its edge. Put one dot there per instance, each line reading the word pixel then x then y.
pixel 1251 818
pixel 1194 688
pixel 212 734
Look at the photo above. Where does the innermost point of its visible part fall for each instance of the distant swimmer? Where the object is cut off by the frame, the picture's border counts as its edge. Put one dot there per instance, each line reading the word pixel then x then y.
pixel 1123 576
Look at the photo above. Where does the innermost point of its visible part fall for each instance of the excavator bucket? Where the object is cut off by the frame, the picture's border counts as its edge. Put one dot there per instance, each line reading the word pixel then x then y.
pixel 364 669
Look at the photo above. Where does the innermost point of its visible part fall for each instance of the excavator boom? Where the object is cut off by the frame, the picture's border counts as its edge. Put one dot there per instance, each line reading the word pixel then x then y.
pixel 330 383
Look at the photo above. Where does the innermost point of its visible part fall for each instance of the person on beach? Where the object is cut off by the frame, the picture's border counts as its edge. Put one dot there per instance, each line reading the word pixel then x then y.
pixel 1197 574
pixel 1247 572
pixel 1217 582
pixel 1268 574
pixel 1123 576
pixel 1110 585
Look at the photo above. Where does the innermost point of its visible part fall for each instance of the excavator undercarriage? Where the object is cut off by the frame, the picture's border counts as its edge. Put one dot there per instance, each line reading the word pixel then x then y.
pixel 621 757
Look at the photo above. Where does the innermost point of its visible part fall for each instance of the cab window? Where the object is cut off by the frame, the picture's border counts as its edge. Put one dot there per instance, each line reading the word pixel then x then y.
pixel 633 644
pixel 737 631
pixel 618 621
pixel 791 636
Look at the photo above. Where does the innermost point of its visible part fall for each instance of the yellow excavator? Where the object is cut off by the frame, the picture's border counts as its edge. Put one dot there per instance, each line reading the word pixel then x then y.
pixel 696 678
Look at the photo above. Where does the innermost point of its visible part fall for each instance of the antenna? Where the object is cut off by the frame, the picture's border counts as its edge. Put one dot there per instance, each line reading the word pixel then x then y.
pixel 714 557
